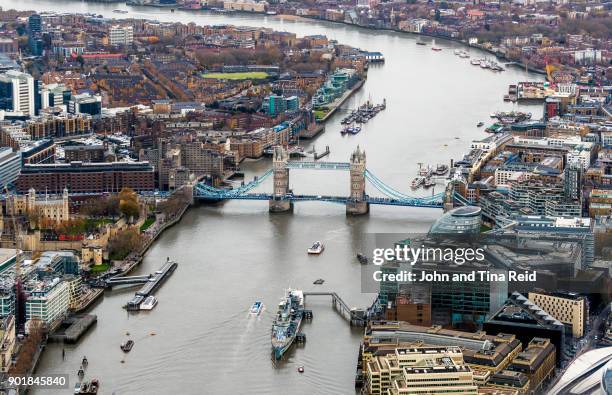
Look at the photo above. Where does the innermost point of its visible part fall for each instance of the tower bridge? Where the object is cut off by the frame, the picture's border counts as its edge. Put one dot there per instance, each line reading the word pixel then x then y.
pixel 358 202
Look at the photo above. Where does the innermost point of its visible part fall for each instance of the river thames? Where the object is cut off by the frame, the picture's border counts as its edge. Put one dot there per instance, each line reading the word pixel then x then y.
pixel 234 253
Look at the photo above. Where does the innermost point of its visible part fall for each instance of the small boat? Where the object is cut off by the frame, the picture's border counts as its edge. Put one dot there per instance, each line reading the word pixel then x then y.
pixel 441 170
pixel 436 48
pixel 316 248
pixel 429 182
pixel 256 308
pixel 77 388
pixel 421 42
pixel 149 303
pixel 171 9
pixel 300 369
pixel 84 362
pixel 417 182
pixel 362 258
pixel 475 62
pixel 318 281
pixel 89 388
pixel 127 346
pixel 120 11
pixel 81 372
pixel 479 124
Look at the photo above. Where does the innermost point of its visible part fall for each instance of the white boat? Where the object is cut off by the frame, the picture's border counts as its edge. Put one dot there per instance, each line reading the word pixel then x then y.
pixel 149 303
pixel 475 62
pixel 120 11
pixel 316 248
pixel 257 307
pixel 417 182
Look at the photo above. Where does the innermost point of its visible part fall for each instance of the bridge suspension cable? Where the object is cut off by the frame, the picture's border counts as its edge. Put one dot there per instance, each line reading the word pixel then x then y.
pixel 394 194
pixel 207 190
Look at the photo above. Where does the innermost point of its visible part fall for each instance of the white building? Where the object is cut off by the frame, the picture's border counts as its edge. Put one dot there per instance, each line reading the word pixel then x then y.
pixel 581 155
pixel 121 35
pixel 17 92
pixel 49 301
pixel 10 166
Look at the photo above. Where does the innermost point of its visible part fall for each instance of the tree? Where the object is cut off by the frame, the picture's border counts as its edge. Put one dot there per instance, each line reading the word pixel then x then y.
pixel 124 242
pixel 128 203
pixel 129 208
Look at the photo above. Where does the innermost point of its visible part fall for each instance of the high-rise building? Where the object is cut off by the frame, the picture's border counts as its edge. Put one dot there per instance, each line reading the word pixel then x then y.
pixel 35 23
pixel 121 35
pixel 17 92
pixel 572 181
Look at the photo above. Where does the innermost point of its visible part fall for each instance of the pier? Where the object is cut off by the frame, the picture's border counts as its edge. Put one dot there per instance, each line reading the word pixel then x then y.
pixel 152 283
pixel 75 327
pixel 355 317
pixel 322 154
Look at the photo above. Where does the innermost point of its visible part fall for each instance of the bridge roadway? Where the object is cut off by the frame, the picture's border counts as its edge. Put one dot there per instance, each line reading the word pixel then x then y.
pixel 328 198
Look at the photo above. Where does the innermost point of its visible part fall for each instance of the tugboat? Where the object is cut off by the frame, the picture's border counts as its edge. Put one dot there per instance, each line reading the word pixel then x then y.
pixel 288 321
pixel 316 248
pixel 127 346
pixel 256 308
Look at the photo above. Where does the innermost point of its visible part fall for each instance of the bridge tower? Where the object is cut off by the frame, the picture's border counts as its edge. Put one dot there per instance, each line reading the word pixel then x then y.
pixel 357 203
pixel 449 197
pixel 280 173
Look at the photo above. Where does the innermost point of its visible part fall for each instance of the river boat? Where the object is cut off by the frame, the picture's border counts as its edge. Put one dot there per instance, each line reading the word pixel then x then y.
pixel 149 303
pixel 256 308
pixel 89 387
pixel 417 182
pixel 316 248
pixel 287 322
pixel 441 170
pixel 362 258
pixel 127 346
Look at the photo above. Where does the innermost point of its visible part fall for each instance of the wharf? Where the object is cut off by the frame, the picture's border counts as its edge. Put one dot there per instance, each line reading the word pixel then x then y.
pixel 312 132
pixel 335 105
pixel 76 326
pixel 355 317
pixel 152 284
pixel 322 154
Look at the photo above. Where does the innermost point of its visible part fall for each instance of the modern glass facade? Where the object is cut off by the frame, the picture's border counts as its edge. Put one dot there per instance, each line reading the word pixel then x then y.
pixel 459 220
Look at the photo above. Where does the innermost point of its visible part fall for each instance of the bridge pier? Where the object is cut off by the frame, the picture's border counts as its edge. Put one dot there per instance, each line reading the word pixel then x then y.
pixel 279 203
pixel 357 204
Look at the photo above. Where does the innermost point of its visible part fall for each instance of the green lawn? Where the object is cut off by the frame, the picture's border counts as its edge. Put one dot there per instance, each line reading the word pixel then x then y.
pixel 148 222
pixel 320 113
pixel 253 75
pixel 100 268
